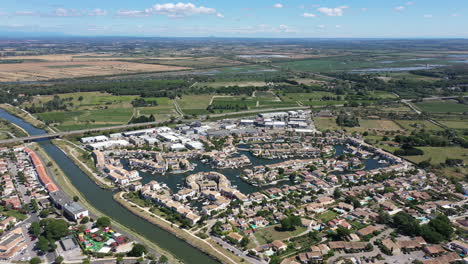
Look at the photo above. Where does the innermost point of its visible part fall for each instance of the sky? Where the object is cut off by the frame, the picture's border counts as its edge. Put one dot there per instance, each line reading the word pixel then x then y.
pixel 239 18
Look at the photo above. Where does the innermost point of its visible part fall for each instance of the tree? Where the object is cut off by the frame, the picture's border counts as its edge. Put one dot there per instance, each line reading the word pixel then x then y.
pixel 76 198
pixel 42 244
pixel 430 235
pixel 84 220
pixel 442 225
pixel 103 222
pixel 58 259
pixel 337 193
pixel 289 223
pixel 35 260
pixel 55 228
pixel 35 229
pixel 137 251
pixel 406 224
pixel 244 242
pixel 384 217
pixel 163 259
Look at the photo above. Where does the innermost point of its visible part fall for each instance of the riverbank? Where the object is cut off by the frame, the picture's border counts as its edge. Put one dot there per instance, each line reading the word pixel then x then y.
pixel 65 184
pixel 20 113
pixel 192 239
pixel 70 150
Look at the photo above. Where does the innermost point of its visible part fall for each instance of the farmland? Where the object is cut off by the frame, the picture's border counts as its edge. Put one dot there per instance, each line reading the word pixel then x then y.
pixel 442 107
pixel 57 70
pixel 95 109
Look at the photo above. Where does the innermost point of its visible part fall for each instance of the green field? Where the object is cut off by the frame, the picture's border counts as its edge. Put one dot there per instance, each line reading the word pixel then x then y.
pixel 268 234
pixel 417 124
pixel 454 124
pixel 442 107
pixel 327 216
pixel 440 154
pixel 97 109
pixel 324 123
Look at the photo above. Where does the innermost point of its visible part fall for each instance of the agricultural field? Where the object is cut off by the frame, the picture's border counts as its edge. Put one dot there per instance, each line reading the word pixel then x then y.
pixel 194 104
pixel 218 84
pixel 324 123
pixel 353 62
pixel 455 124
pixel 384 125
pixel 97 109
pixel 442 107
pixel 417 124
pixel 198 63
pixel 40 71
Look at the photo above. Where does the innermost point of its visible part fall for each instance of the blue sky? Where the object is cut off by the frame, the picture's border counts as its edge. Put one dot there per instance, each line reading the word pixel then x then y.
pixel 240 18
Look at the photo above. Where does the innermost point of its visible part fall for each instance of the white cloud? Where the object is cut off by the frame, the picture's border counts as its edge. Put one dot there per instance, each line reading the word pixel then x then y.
pixel 308 15
pixel 428 16
pixel 98 12
pixel 131 13
pixel 399 8
pixel 364 9
pixel 26 13
pixel 62 12
pixel 338 26
pixel 278 5
pixel 180 10
pixel 337 11
pixel 410 3
pixel 171 10
pixel 321 26
pixel 456 15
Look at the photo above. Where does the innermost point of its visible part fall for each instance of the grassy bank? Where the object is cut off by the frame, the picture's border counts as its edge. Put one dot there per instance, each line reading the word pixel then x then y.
pixel 24 115
pixel 178 232
pixel 85 166
pixel 65 184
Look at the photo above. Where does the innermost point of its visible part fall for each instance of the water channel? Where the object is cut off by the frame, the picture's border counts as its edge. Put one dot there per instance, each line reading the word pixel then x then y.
pixel 103 201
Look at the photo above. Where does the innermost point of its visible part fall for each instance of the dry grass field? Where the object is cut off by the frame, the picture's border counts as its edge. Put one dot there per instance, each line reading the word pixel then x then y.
pixel 36 71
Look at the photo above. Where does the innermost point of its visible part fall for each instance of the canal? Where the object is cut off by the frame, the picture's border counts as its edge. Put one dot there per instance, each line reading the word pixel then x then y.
pixel 103 201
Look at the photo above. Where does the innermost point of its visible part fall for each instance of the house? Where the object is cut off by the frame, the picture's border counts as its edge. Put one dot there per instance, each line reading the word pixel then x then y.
pixel 392 246
pixel 75 211
pixel 434 250
pixel 235 237
pixel 278 245
pixel 12 243
pixel 5 223
pixel 368 230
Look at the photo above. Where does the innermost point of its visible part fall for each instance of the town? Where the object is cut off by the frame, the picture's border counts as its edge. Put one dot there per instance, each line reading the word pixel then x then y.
pixel 281 194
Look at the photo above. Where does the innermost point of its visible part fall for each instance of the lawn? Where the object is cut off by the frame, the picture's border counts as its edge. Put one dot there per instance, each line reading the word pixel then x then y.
pixel 440 154
pixel 268 234
pixel 327 216
pixel 442 107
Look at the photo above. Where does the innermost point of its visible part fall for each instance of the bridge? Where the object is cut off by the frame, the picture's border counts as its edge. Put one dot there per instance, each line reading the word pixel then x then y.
pixel 74 132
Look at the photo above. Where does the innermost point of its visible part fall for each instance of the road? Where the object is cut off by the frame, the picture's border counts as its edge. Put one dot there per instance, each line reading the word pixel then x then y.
pixel 235 250
pixel 147 211
pixel 76 132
